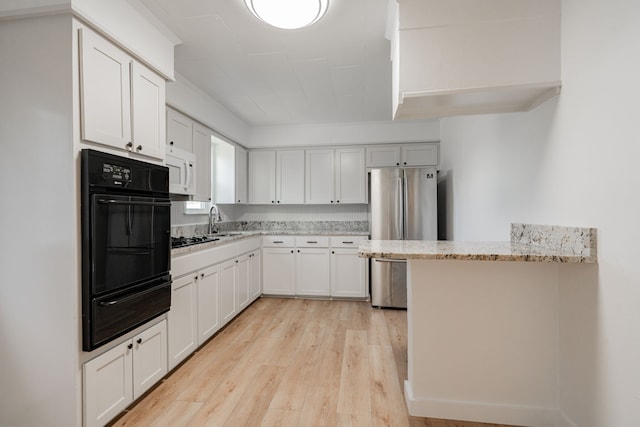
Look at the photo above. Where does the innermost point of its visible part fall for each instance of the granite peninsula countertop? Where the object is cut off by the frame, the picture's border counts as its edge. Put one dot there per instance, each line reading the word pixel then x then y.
pixel 232 236
pixel 530 243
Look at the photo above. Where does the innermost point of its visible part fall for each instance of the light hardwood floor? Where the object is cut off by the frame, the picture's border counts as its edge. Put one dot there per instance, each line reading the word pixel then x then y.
pixel 292 362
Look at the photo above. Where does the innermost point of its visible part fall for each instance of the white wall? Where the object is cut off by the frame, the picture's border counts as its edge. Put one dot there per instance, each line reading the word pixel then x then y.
pixel 344 133
pixel 39 294
pixel 192 101
pixel 572 161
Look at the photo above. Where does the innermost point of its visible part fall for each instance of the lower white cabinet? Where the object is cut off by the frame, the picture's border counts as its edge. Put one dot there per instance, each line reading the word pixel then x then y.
pixel 209 280
pixel 116 378
pixel 183 321
pixel 228 291
pixel 278 271
pixel 255 274
pixel 243 278
pixel 314 266
pixel 349 273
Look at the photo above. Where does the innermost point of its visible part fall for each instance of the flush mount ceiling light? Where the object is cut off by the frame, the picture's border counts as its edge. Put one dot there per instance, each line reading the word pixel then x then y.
pixel 288 14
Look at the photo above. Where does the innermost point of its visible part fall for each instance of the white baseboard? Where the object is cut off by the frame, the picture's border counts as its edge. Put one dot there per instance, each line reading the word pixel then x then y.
pixel 484 412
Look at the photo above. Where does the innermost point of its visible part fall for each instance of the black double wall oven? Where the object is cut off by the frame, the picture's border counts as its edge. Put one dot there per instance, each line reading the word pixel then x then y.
pixel 126 244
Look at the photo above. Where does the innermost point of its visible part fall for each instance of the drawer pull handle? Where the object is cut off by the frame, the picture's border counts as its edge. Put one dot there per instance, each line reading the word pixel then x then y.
pixel 348 243
pixel 312 241
pixel 278 241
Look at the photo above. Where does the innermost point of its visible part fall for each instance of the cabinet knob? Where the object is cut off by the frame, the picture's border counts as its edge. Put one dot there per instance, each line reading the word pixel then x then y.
pixel 405 163
pixel 337 201
pixel 298 250
pixel 202 275
pixel 130 346
pixel 129 144
pixel 272 201
pixel 333 252
pixel 238 200
pixel 236 261
pixel 332 201
pixel 139 148
pixel 170 142
pixel 291 251
pixel 139 340
pixel 397 164
pixel 278 201
pixel 195 277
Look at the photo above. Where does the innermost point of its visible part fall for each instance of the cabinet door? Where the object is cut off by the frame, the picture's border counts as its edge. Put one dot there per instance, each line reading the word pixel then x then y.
pixel 105 97
pixel 208 306
pixel 255 276
pixel 278 271
pixel 319 176
pixel 350 176
pixel 290 177
pixel 179 131
pixel 262 177
pixel 228 293
pixel 241 175
pixel 148 112
pixel 312 272
pixel 348 274
pixel 420 155
pixel 243 275
pixel 383 156
pixel 202 151
pixel 149 358
pixel 107 385
pixel 182 319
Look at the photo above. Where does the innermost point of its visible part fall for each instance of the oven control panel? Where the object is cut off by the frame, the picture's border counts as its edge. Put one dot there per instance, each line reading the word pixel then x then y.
pixel 115 174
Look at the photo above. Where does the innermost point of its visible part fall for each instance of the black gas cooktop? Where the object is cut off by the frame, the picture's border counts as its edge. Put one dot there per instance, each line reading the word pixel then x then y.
pixel 180 242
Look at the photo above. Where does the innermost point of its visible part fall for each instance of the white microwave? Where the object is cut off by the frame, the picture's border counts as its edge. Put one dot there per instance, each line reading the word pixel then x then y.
pixel 182 171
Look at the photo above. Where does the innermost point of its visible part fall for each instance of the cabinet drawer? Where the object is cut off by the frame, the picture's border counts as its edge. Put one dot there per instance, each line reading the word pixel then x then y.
pixel 347 241
pixel 278 241
pixel 312 242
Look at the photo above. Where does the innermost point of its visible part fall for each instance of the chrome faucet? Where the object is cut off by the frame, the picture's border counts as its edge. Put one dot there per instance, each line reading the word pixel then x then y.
pixel 214 218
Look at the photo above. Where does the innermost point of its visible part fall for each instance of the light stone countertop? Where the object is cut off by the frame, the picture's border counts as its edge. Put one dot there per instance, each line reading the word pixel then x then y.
pixel 240 235
pixel 469 251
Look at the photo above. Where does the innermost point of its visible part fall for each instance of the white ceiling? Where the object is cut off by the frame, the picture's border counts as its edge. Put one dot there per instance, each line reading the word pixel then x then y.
pixel 337 70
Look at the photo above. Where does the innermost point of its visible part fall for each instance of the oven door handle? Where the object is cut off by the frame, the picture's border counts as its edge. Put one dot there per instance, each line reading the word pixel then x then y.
pixel 134 295
pixel 132 203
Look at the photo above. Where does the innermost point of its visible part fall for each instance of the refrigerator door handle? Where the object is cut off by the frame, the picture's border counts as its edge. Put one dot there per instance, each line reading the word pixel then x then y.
pixel 401 206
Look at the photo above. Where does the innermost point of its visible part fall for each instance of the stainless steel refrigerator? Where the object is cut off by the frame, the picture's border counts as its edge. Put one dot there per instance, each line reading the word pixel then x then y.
pixel 403 206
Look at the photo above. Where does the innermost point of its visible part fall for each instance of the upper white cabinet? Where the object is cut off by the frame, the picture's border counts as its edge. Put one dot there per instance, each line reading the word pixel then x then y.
pixel 335 176
pixel 179 130
pixel 470 57
pixel 241 175
pixel 122 102
pixel 262 177
pixel 276 177
pixel 224 171
pixel 202 150
pixel 402 155
pixel 290 176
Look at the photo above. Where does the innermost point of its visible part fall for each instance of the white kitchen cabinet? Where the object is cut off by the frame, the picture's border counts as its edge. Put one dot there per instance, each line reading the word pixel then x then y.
pixel 349 273
pixel 312 266
pixel 148 111
pixel 290 176
pixel 243 277
pixel 319 176
pixel 224 171
pixel 119 376
pixel 423 154
pixel 335 176
pixel 208 310
pixel 179 131
pixel 276 177
pixel 255 276
pixel 182 319
pixel 122 103
pixel 149 358
pixel 383 156
pixel 228 291
pixel 202 151
pixel 474 58
pixel 350 176
pixel 278 265
pixel 262 177
pixel 241 175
